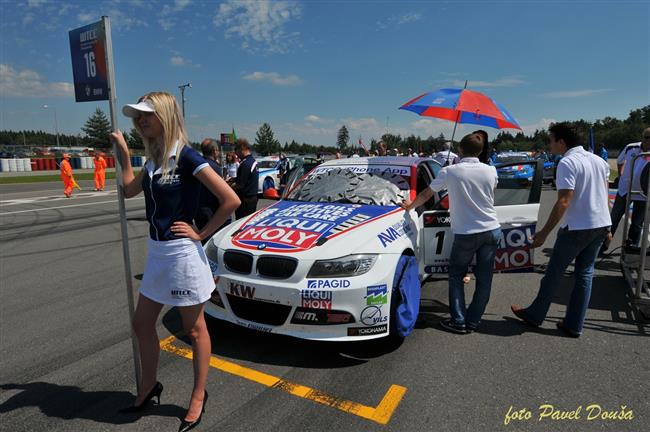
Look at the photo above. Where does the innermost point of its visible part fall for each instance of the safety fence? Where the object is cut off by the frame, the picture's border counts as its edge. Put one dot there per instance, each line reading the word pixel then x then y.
pixel 50 164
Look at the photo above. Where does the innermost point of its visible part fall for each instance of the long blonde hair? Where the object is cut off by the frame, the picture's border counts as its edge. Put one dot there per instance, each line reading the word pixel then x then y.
pixel 169 114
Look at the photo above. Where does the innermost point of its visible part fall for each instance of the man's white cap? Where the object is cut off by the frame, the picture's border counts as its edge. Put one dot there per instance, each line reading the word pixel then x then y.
pixel 134 110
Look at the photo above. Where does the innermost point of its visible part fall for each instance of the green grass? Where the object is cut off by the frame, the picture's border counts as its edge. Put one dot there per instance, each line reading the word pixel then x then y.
pixel 52 177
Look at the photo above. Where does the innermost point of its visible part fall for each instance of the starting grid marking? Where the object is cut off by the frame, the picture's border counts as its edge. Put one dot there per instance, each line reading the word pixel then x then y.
pixel 380 414
pixel 59 197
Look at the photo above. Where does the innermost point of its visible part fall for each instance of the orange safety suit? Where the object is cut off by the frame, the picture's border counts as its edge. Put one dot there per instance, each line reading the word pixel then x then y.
pixel 100 172
pixel 66 176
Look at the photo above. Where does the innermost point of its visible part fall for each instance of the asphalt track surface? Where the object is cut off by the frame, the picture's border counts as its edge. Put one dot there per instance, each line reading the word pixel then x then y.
pixel 66 361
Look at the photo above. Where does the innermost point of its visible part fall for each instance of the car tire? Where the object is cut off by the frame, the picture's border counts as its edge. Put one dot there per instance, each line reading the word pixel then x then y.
pixel 404 298
pixel 268 184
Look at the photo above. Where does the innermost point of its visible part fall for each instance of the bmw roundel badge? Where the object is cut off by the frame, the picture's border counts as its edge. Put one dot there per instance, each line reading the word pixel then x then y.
pixel 261 246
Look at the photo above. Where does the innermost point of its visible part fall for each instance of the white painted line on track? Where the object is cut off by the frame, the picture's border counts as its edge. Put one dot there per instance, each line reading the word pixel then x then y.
pixel 62 207
pixel 54 198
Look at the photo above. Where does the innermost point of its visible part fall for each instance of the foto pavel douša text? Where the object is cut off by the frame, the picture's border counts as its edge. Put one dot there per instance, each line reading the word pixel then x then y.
pixel 548 412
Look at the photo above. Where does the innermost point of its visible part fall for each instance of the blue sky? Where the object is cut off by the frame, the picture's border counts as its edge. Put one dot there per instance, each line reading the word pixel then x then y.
pixel 307 67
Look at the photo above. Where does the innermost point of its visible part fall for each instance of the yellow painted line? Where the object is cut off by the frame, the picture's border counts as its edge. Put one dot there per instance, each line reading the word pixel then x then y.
pixel 380 414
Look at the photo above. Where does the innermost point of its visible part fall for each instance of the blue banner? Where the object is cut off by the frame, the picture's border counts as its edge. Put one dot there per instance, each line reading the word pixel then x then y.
pixel 87 49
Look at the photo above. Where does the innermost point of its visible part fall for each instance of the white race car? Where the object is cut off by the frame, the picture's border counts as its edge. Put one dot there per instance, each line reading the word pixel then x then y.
pixel 338 259
pixel 269 171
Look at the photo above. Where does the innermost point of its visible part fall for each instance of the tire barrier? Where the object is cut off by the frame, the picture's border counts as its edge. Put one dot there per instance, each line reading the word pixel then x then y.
pixel 52 164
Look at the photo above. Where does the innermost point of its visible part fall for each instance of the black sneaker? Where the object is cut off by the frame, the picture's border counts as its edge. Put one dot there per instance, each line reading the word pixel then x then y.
pixel 450 326
pixel 566 330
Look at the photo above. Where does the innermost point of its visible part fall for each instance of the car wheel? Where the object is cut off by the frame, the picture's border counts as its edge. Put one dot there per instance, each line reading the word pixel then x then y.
pixel 405 297
pixel 268 184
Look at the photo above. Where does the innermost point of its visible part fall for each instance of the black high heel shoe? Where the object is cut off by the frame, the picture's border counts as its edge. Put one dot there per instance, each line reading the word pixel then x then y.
pixel 185 425
pixel 155 392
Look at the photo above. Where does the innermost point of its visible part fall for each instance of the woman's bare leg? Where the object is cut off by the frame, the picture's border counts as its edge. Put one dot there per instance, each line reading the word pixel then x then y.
pixel 144 325
pixel 197 330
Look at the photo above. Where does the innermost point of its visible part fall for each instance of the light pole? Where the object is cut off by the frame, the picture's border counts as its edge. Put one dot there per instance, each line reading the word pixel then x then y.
pixel 56 124
pixel 182 87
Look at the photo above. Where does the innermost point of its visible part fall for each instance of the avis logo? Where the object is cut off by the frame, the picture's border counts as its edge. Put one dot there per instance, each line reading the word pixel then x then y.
pixel 241 290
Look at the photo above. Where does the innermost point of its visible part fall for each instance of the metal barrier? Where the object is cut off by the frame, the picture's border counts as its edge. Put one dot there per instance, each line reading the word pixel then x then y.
pixel 633 259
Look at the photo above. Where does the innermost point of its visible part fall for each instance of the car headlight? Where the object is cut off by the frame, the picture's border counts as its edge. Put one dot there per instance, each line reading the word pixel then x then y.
pixel 351 265
pixel 212 251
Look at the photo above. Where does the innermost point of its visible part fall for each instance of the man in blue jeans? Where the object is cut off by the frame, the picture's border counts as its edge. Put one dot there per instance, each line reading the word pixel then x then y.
pixel 476 229
pixel 582 210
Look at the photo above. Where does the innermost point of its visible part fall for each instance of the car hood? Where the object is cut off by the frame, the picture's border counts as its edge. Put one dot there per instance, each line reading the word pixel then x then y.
pixel 311 229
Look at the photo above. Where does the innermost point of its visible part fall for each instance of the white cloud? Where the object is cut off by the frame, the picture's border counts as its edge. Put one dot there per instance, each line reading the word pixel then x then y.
pixel 85 18
pixel 366 123
pixel 576 93
pixel 541 124
pixel 166 23
pixel 29 83
pixel 177 60
pixel 408 17
pixel 312 118
pixel 399 20
pixel 181 4
pixel 502 82
pixel 35 3
pixel 274 78
pixel 259 23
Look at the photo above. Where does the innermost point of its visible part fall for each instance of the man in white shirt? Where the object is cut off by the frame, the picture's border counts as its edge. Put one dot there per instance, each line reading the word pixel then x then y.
pixel 476 229
pixel 446 156
pixel 582 210
pixel 638 201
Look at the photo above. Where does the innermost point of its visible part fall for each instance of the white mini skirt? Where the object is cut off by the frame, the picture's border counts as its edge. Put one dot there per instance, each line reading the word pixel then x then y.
pixel 177 273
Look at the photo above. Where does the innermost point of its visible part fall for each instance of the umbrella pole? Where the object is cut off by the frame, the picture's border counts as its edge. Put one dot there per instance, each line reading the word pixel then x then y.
pixel 453 133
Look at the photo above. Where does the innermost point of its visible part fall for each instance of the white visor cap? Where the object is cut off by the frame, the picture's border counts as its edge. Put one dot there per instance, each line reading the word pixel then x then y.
pixel 134 110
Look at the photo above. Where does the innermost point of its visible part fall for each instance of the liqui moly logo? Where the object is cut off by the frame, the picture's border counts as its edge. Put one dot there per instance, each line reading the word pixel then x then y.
pixel 282 234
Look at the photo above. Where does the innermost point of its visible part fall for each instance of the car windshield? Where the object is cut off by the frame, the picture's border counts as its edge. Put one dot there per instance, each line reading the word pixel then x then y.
pixel 511 158
pixel 363 184
pixel 267 164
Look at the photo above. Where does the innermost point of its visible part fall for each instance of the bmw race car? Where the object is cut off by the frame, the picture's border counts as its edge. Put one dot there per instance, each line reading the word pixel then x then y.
pixel 337 259
pixel 516 171
pixel 269 172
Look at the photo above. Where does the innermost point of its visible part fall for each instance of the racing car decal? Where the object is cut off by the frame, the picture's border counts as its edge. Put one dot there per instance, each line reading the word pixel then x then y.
pixel 292 227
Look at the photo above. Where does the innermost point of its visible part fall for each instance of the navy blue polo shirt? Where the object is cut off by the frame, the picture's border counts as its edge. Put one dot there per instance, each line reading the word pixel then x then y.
pixel 248 177
pixel 169 199
pixel 207 198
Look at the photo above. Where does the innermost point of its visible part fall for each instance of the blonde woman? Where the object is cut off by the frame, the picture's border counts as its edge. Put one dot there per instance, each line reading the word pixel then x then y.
pixel 177 272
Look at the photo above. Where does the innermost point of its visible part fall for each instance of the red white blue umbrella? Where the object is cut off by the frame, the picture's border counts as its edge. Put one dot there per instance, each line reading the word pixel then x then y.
pixel 462 106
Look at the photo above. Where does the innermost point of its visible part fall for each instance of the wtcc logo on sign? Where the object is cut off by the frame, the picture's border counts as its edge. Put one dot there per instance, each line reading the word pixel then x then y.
pixel 327 283
pixel 316 299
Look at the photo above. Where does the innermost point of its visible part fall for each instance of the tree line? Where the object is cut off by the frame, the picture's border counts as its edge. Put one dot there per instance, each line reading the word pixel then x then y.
pixel 611 132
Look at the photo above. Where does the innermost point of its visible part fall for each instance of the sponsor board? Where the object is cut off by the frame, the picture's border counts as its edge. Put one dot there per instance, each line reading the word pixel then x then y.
pixel 315 299
pixel 513 254
pixel 367 331
pixel 293 227
pixel 327 283
pixel 376 295
pixel 372 315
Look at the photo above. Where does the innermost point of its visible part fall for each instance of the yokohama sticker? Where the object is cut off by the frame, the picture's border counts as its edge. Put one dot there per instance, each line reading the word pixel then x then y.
pixel 367 331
